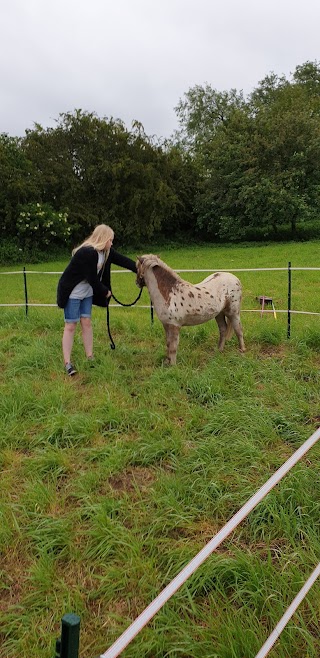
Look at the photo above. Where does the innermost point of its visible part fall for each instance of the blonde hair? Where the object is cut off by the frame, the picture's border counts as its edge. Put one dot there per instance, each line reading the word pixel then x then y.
pixel 98 238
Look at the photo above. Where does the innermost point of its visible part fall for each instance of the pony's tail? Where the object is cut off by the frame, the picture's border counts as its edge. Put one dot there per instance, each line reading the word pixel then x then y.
pixel 229 329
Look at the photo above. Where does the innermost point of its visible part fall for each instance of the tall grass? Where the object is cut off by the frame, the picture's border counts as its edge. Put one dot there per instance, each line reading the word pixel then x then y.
pixel 112 481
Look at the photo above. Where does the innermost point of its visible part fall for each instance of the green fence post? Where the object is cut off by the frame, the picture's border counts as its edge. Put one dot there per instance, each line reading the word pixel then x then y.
pixel 68 645
pixel 25 289
pixel 289 301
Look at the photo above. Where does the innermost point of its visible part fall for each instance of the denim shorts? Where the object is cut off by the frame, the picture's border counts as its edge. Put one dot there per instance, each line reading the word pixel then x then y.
pixel 77 308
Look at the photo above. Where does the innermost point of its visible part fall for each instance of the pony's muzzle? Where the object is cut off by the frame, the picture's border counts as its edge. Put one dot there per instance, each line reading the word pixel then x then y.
pixel 140 282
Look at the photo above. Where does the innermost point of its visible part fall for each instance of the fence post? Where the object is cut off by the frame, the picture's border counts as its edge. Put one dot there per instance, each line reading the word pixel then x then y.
pixel 25 289
pixel 289 300
pixel 68 645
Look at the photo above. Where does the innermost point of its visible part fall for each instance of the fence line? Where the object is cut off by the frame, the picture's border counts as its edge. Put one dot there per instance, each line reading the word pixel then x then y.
pixel 288 311
pixel 243 310
pixel 288 614
pixel 243 269
pixel 124 271
pixel 205 552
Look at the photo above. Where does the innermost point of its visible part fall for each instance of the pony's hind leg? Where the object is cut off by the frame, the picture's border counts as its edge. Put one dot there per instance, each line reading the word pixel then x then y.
pixel 221 322
pixel 172 338
pixel 236 324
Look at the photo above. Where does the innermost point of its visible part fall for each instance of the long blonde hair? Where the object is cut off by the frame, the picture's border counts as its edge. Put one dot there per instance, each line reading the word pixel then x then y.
pixel 98 239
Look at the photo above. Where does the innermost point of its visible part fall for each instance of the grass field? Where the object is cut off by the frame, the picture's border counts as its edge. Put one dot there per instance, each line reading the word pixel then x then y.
pixel 112 481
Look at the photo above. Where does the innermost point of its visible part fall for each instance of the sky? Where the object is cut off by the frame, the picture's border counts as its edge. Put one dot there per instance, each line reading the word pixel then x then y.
pixel 135 59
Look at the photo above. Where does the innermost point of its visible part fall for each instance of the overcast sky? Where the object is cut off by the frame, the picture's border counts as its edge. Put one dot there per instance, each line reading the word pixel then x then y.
pixel 134 59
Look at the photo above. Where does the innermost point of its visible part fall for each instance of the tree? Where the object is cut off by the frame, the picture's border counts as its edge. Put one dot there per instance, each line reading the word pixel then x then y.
pixel 264 171
pixel 201 112
pixel 308 74
pixel 99 172
pixel 260 160
pixel 18 182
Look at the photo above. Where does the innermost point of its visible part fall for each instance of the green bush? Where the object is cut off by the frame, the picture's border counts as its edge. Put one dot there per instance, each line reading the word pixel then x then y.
pixel 11 253
pixel 39 225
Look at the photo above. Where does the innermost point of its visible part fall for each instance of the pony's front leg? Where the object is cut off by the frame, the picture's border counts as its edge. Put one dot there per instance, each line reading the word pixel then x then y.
pixel 172 338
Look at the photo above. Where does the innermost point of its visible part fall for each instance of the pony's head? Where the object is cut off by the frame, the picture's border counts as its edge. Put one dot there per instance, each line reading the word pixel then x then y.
pixel 140 282
pixel 143 263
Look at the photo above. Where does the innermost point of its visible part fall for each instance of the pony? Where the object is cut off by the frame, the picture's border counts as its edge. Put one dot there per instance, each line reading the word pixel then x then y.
pixel 179 303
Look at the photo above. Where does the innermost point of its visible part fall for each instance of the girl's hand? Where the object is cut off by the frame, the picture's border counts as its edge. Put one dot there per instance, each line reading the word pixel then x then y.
pixel 109 293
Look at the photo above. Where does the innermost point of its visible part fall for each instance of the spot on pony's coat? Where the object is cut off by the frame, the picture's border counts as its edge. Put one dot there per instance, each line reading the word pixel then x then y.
pixel 166 282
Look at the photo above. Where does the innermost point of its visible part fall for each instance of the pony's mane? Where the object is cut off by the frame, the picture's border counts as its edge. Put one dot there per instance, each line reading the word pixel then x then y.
pixel 151 260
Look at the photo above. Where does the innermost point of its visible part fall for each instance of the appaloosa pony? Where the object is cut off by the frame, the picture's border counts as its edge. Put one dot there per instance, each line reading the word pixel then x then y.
pixel 179 303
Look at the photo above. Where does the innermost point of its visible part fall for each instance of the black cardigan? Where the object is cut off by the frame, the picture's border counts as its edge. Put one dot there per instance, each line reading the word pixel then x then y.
pixel 83 266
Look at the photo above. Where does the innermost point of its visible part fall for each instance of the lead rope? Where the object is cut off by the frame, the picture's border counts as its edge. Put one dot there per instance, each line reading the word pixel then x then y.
pixel 112 343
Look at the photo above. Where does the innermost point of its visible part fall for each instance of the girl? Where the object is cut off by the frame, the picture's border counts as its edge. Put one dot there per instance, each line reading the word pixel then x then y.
pixel 86 280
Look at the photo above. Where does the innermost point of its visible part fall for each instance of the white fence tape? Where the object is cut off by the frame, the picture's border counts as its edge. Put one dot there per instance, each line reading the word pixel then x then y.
pixel 288 614
pixel 190 568
pixel 124 271
pixel 242 269
pixel 243 310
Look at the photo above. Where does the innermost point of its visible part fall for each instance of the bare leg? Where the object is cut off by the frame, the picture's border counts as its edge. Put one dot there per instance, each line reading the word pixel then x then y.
pixel 67 340
pixel 87 335
pixel 221 322
pixel 172 336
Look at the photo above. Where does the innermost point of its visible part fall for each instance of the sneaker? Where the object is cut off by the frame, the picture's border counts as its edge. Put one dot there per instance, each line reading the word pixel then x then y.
pixel 70 369
pixel 90 360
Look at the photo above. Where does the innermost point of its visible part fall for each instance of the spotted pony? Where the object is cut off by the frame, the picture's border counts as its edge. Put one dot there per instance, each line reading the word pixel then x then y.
pixel 179 303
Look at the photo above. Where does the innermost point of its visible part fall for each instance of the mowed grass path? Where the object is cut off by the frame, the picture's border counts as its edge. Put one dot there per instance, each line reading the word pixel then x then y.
pixel 112 481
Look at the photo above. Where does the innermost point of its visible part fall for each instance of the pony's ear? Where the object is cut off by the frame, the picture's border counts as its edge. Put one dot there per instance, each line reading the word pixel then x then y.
pixel 140 259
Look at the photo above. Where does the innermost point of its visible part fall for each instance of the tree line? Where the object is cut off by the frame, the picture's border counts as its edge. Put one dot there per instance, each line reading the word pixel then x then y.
pixel 238 168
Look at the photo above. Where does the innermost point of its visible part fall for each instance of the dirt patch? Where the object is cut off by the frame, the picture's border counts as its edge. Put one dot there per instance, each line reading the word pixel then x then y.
pixel 123 609
pixel 134 478
pixel 314 420
pixel 272 351
pixel 13 575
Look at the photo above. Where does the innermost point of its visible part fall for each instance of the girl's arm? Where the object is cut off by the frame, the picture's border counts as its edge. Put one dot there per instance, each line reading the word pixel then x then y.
pixel 122 261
